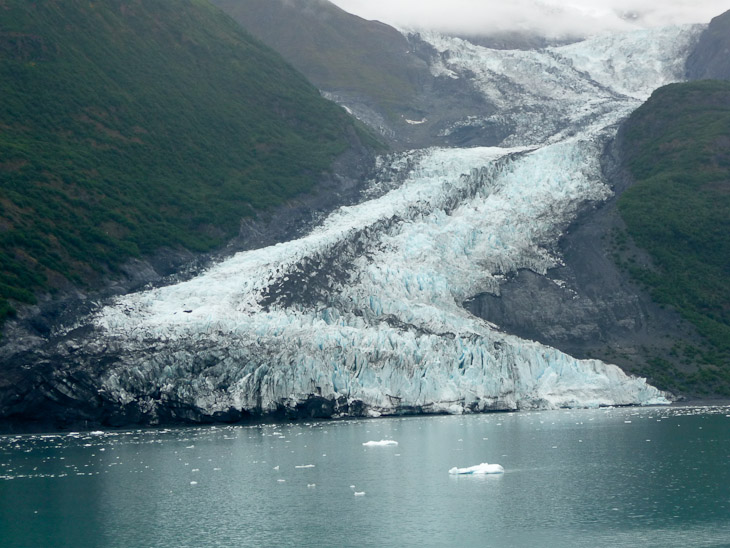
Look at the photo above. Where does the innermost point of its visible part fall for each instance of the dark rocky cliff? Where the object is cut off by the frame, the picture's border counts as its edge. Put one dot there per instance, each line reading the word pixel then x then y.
pixel 710 60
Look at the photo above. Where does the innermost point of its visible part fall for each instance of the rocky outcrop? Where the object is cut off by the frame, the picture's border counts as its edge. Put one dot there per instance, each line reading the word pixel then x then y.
pixel 710 59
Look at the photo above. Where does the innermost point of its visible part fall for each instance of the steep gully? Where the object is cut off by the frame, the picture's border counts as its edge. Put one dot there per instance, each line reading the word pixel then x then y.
pixel 364 314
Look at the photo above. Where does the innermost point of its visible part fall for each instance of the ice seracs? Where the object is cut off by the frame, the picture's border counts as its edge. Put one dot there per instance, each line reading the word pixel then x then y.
pixel 363 316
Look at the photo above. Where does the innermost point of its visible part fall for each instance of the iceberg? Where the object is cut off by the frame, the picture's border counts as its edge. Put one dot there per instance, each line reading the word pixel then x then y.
pixel 381 443
pixel 483 468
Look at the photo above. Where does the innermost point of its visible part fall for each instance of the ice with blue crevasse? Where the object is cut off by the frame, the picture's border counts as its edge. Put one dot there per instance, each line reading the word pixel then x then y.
pixel 366 311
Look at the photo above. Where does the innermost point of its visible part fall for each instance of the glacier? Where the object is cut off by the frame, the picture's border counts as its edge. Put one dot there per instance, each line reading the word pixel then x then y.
pixel 363 316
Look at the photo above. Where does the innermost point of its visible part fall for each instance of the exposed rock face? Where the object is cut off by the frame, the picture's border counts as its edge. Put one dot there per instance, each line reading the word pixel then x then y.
pixel 587 306
pixel 710 59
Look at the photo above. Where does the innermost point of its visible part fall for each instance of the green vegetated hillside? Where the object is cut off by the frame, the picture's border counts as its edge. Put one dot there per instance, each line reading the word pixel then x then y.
pixel 127 125
pixel 336 50
pixel 678 150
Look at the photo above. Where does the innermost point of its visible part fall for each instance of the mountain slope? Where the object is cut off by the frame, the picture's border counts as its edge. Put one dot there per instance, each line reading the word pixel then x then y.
pixel 336 50
pixel 710 59
pixel 677 147
pixel 385 78
pixel 127 126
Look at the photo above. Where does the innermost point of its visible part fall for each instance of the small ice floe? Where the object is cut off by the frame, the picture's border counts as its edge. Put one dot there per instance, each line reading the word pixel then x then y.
pixel 359 493
pixel 483 468
pixel 304 466
pixel 381 443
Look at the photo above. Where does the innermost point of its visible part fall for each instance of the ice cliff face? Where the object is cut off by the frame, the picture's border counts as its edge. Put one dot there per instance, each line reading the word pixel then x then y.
pixel 363 315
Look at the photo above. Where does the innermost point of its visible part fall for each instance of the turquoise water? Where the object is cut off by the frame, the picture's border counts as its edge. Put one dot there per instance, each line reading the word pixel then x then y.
pixel 608 477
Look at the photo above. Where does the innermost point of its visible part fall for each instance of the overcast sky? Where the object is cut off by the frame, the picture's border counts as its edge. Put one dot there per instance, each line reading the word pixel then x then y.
pixel 550 17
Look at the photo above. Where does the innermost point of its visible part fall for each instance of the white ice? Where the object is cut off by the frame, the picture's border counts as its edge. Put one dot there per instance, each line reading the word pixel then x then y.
pixel 483 468
pixel 367 308
pixel 381 443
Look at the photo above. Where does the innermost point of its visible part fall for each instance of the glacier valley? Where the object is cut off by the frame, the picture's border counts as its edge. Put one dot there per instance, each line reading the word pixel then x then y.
pixel 363 316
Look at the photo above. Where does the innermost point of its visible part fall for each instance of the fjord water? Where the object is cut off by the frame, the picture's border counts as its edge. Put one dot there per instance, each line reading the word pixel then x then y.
pixel 604 477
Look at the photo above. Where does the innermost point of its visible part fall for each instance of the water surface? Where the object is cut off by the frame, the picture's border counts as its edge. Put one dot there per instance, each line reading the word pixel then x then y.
pixel 607 477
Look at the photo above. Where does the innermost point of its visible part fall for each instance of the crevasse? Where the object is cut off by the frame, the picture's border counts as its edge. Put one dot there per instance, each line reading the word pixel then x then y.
pixel 365 311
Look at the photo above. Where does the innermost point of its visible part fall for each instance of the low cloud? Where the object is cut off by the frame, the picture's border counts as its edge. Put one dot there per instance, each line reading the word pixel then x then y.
pixel 551 18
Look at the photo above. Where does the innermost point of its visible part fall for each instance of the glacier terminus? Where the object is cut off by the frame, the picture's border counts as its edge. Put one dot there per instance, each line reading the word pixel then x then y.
pixel 363 315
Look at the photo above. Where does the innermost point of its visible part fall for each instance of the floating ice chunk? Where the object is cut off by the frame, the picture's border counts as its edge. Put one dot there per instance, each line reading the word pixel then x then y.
pixel 483 468
pixel 304 466
pixel 381 443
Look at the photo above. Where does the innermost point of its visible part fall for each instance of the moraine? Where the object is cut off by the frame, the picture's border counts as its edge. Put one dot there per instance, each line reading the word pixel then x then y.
pixel 364 316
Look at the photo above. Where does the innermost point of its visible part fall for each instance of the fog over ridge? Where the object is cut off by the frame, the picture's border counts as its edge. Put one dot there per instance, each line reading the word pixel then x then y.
pixel 550 18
